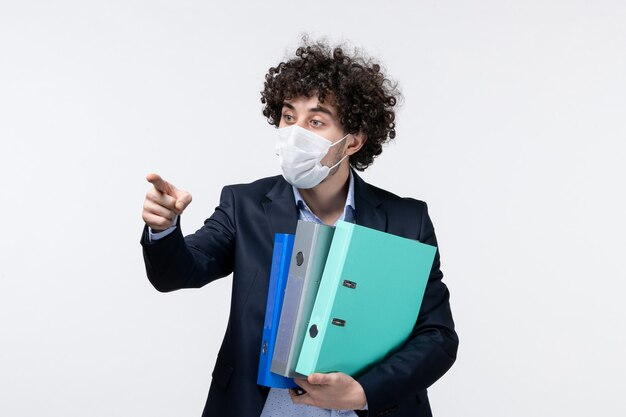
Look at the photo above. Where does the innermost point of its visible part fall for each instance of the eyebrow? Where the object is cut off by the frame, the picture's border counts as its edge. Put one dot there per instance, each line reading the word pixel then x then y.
pixel 316 109
pixel 320 109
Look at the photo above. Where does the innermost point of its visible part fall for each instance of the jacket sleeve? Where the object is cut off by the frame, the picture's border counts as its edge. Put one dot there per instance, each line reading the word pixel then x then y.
pixel 174 262
pixel 430 350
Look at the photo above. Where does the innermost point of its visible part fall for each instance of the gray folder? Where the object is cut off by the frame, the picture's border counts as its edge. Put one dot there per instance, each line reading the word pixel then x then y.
pixel 310 250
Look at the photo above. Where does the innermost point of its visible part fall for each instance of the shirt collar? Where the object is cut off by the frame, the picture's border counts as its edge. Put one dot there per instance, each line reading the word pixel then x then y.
pixel 305 212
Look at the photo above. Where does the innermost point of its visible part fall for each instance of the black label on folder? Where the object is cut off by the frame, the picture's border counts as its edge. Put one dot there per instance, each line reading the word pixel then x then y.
pixel 339 322
pixel 349 284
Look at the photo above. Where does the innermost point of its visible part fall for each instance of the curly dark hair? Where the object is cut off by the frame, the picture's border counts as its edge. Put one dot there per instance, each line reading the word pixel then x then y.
pixel 363 95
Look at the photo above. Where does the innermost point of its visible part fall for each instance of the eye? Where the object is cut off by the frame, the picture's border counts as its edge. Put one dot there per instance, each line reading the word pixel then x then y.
pixel 288 117
pixel 317 123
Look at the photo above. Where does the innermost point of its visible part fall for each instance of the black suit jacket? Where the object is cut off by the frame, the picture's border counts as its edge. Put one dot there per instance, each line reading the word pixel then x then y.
pixel 238 239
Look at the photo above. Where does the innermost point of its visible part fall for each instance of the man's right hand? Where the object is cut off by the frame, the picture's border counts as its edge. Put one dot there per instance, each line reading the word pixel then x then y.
pixel 163 202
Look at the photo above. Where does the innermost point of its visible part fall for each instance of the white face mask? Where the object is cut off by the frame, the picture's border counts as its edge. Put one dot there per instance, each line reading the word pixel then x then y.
pixel 300 152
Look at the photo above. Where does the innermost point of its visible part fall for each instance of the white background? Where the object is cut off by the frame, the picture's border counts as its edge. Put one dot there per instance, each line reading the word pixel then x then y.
pixel 512 129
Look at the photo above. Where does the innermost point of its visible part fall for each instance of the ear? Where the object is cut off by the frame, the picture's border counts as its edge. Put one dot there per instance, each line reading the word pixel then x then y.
pixel 355 142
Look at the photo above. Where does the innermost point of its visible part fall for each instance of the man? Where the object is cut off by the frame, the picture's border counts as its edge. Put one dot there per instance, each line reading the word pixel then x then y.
pixel 333 112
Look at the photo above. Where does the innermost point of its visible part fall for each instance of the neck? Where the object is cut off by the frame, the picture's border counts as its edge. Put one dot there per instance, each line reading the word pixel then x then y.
pixel 327 200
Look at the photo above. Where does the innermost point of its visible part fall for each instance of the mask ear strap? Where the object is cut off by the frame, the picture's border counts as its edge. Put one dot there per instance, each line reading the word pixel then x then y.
pixel 340 161
pixel 340 140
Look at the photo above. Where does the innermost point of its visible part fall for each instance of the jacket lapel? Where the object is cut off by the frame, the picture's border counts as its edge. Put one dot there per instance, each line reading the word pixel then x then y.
pixel 280 208
pixel 368 207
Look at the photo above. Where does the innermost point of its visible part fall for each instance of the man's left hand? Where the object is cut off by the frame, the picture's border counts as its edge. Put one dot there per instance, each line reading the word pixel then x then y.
pixel 333 391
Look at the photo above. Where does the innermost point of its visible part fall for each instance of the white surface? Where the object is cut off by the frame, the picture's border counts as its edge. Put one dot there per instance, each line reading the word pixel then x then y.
pixel 513 130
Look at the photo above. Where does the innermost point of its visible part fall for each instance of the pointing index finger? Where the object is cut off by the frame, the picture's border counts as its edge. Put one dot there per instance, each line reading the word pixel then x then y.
pixel 160 184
